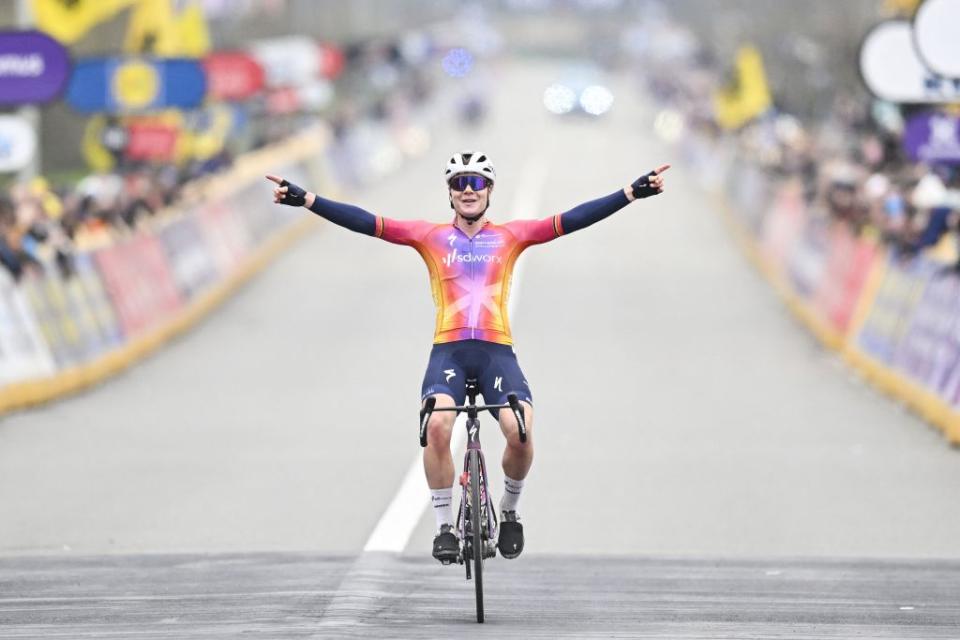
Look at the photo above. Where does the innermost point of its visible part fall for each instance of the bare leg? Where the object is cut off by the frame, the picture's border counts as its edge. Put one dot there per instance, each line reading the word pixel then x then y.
pixel 517 457
pixel 437 460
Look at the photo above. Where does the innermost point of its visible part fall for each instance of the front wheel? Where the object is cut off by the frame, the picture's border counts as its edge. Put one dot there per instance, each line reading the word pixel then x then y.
pixel 476 530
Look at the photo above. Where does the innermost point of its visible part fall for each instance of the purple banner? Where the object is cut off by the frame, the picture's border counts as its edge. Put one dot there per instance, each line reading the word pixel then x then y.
pixel 33 67
pixel 933 137
pixel 893 307
pixel 927 353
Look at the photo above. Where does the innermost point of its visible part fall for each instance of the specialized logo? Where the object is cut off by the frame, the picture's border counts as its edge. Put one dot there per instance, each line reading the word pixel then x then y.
pixel 452 238
pixel 450 373
pixel 497 383
pixel 473 432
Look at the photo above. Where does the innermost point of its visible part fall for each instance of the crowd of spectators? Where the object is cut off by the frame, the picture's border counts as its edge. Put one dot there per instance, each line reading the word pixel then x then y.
pixel 43 225
pixel 849 159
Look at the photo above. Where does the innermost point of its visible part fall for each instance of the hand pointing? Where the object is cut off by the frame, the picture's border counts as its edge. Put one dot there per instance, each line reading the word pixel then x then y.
pixel 286 192
pixel 649 184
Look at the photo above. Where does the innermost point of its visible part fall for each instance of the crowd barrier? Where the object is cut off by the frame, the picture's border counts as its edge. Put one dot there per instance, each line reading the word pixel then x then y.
pixel 64 330
pixel 894 319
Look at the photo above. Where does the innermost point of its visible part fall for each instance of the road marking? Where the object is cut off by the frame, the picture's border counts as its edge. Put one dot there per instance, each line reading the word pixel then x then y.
pixel 397 523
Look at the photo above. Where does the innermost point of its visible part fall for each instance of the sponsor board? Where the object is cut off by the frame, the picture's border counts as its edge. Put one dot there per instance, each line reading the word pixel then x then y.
pixel 18 143
pixel 893 306
pixel 807 264
pixel 33 68
pixel 227 237
pixel 933 137
pixel 23 353
pixel 893 70
pixel 189 256
pixel 232 75
pixel 926 353
pixel 848 263
pixel 135 85
pixel 138 279
pixel 783 226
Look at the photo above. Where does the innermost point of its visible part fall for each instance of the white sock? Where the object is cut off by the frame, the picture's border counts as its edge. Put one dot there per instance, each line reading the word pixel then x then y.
pixel 442 501
pixel 511 494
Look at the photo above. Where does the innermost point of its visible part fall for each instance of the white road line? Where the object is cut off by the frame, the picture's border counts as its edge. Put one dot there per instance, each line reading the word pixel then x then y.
pixel 397 523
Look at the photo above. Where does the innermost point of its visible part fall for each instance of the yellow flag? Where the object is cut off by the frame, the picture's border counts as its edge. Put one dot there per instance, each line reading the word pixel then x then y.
pixel 192 32
pixel 70 20
pixel 904 8
pixel 97 156
pixel 155 28
pixel 748 95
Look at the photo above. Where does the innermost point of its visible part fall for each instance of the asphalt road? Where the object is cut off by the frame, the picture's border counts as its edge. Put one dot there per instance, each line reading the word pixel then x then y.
pixel 685 424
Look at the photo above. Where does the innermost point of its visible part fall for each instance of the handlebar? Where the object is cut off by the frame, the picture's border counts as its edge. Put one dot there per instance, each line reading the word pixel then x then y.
pixel 513 403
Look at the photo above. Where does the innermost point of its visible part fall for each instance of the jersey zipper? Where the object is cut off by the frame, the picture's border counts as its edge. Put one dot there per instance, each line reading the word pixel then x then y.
pixel 473 328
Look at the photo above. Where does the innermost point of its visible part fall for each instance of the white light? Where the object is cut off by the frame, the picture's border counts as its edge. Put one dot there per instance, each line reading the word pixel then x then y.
pixel 559 99
pixel 596 100
pixel 669 125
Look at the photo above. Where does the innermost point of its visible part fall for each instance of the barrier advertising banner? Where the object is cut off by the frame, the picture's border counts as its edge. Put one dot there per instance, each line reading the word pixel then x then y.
pixel 23 353
pixel 848 263
pixel 926 353
pixel 226 235
pixel 51 307
pixel 139 282
pixel 189 257
pixel 783 225
pixel 893 307
pixel 808 262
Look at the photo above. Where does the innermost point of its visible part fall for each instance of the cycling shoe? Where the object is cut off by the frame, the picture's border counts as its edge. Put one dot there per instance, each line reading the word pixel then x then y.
pixel 510 540
pixel 446 546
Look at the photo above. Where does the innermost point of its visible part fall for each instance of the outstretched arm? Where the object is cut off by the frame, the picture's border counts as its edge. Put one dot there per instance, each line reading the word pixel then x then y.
pixel 594 211
pixel 345 215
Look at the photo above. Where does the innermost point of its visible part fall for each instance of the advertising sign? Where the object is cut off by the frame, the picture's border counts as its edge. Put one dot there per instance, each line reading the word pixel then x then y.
pixel 18 143
pixel 332 61
pixel 23 354
pixel 893 70
pixel 190 258
pixel 893 307
pixel 935 32
pixel 138 279
pixel 151 141
pixel 135 85
pixel 849 260
pixel 933 137
pixel 33 67
pixel 232 76
pixel 926 352
pixel 287 61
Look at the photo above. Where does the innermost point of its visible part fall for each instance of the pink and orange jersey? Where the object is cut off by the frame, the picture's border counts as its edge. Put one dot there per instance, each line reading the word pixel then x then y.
pixel 470 277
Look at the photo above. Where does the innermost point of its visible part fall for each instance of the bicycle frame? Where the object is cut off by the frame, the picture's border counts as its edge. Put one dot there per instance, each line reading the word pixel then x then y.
pixel 475 489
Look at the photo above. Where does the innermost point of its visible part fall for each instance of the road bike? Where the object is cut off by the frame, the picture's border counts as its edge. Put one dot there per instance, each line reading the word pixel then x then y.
pixel 477 522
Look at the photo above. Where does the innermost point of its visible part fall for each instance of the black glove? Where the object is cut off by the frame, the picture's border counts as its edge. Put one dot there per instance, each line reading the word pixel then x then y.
pixel 295 196
pixel 641 186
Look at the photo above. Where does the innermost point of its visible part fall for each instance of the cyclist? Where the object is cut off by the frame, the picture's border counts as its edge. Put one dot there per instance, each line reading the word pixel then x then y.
pixel 470 260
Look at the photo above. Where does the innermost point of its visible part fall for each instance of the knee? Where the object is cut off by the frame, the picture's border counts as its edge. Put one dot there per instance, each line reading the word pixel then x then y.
pixel 511 430
pixel 439 428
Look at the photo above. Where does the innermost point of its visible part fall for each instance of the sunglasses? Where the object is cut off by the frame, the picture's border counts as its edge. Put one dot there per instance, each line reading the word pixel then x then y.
pixel 477 183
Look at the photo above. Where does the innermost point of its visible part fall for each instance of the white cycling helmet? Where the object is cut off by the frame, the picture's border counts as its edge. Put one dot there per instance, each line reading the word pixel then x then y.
pixel 470 162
